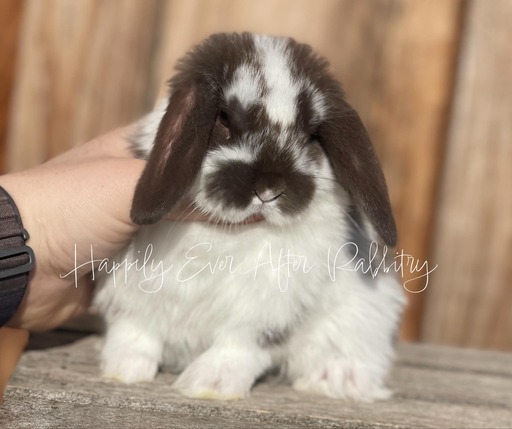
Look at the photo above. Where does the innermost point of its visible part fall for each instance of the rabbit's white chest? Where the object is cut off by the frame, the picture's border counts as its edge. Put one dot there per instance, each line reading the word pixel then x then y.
pixel 199 283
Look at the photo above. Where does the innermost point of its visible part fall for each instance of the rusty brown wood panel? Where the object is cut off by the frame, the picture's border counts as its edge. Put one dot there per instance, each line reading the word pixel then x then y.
pixel 10 19
pixel 83 69
pixel 471 293
pixel 396 59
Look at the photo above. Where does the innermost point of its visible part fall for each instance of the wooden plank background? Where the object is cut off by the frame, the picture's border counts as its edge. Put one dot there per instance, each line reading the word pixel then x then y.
pixel 10 19
pixel 470 303
pixel 87 66
pixel 83 69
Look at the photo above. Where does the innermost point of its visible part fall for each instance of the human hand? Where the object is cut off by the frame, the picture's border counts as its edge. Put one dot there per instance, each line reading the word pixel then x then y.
pixel 81 198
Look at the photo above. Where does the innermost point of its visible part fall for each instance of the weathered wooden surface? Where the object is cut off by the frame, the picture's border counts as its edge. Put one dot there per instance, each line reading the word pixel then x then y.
pixel 470 294
pixel 434 387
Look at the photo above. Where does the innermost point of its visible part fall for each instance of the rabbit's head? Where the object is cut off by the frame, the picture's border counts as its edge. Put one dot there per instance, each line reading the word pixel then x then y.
pixel 256 126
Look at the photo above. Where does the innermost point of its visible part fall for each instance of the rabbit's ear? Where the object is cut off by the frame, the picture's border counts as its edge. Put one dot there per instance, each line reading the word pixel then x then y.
pixel 177 154
pixel 357 167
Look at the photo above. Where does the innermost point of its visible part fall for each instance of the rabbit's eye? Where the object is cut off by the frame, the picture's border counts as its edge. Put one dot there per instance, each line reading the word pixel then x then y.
pixel 224 119
pixel 314 136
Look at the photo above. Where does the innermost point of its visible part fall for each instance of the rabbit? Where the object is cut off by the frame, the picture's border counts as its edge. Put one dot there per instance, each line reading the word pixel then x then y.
pixel 257 135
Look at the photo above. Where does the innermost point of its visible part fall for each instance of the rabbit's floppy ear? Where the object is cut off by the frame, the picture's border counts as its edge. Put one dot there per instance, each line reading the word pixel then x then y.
pixel 356 165
pixel 178 151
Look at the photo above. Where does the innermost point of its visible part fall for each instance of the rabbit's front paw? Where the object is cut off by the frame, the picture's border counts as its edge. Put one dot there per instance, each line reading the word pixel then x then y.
pixel 132 368
pixel 223 374
pixel 220 381
pixel 339 378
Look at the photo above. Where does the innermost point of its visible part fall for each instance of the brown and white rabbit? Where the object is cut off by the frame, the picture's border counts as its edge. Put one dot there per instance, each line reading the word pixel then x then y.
pixel 255 127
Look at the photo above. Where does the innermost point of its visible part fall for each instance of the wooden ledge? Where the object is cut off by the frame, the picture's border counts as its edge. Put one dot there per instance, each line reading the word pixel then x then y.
pixel 434 387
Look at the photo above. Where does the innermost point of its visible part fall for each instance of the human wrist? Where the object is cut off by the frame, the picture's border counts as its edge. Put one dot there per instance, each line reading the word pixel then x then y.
pixel 17 259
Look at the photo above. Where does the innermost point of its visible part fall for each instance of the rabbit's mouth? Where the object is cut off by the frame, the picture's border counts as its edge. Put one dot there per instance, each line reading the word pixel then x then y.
pixel 253 219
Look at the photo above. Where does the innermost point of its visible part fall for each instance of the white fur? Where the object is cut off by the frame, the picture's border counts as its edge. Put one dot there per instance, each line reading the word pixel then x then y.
pixel 319 104
pixel 245 153
pixel 281 100
pixel 148 127
pixel 246 86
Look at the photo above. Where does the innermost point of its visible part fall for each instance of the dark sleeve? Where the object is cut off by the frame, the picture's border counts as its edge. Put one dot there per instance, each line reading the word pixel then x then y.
pixel 16 258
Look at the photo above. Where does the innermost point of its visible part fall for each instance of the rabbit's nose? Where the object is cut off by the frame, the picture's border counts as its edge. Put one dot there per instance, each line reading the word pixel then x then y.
pixel 269 187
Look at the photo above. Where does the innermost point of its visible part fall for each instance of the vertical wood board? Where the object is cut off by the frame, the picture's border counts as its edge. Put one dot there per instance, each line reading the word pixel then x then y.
pixel 471 293
pixel 83 69
pixel 10 20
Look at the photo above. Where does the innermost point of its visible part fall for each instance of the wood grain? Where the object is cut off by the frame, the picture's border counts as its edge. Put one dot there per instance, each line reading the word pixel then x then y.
pixel 407 99
pixel 10 19
pixel 469 300
pixel 441 388
pixel 83 70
